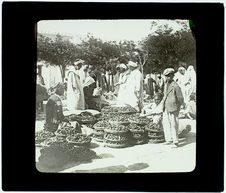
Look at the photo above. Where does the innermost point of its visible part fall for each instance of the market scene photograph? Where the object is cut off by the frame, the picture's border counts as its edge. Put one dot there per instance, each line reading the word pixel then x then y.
pixel 115 96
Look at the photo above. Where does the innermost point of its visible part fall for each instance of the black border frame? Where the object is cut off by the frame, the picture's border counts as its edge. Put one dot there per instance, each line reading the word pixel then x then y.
pixel 18 97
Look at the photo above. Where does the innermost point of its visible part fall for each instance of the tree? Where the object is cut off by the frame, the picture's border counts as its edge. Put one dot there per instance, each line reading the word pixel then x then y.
pixel 166 49
pixel 56 51
pixel 97 52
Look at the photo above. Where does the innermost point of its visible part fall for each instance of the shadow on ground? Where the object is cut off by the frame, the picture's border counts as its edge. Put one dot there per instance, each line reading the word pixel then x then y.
pixel 44 169
pixel 115 169
pixel 105 155
pixel 93 145
pixel 187 139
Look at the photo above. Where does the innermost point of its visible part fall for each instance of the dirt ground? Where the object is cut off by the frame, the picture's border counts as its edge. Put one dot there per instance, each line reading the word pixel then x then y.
pixel 146 158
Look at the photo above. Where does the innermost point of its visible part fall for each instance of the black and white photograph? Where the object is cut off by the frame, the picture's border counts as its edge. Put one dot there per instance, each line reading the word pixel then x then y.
pixel 115 96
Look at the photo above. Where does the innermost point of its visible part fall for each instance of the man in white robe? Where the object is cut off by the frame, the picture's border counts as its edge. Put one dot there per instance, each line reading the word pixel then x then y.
pixel 134 87
pixel 75 94
pixel 121 84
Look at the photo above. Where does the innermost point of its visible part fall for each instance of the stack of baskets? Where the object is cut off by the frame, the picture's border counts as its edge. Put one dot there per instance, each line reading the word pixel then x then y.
pixel 117 135
pixel 99 128
pixel 155 133
pixel 138 134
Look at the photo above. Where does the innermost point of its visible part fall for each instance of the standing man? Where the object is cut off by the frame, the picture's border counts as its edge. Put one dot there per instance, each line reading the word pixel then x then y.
pixel 121 85
pixel 83 70
pixel 134 86
pixel 150 82
pixel 160 83
pixel 75 94
pixel 172 101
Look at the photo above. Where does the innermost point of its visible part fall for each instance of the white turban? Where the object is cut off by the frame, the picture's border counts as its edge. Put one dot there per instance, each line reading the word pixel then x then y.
pixel 79 62
pixel 133 64
pixel 168 71
pixel 123 66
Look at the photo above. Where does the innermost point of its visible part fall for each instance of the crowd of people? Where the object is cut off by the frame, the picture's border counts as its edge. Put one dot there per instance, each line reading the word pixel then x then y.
pixel 169 94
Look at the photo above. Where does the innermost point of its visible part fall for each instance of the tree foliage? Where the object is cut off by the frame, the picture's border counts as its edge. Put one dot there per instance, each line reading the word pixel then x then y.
pixel 56 51
pixel 169 50
pixel 157 51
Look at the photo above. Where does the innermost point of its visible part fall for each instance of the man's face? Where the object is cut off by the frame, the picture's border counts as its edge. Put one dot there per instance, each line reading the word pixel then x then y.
pixel 157 100
pixel 122 69
pixel 61 90
pixel 77 67
pixel 85 67
pixel 169 77
pixel 182 71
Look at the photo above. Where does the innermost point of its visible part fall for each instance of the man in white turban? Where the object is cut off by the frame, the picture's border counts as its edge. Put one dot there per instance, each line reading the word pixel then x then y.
pixel 134 86
pixel 75 95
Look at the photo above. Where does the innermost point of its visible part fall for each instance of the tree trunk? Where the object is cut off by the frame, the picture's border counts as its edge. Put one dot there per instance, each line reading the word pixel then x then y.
pixel 62 70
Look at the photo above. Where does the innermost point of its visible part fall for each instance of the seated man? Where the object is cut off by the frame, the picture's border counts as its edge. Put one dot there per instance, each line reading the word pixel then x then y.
pixel 54 110
pixel 190 111
pixel 154 111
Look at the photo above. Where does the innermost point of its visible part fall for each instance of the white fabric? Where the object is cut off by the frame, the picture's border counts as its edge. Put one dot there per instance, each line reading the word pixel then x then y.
pixel 133 64
pixel 51 75
pixel 170 127
pixel 88 81
pixel 191 76
pixel 190 83
pixel 82 75
pixel 122 96
pixel 132 88
pixel 75 95
pixel 79 62
pixel 123 66
pixel 157 109
pixel 168 71
pixel 182 81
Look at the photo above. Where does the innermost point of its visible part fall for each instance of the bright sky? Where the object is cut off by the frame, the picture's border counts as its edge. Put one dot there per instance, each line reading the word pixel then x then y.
pixel 114 30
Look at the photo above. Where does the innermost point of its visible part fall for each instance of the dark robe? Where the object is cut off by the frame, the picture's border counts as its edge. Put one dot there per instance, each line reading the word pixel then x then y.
pixel 150 87
pixel 54 113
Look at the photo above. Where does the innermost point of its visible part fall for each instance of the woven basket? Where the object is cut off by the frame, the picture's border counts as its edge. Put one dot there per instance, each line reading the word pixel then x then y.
pixel 124 140
pixel 138 123
pixel 155 135
pixel 87 121
pixel 115 145
pixel 119 123
pixel 115 132
pixel 98 128
pixel 140 136
pixel 60 135
pixel 86 143
pixel 136 131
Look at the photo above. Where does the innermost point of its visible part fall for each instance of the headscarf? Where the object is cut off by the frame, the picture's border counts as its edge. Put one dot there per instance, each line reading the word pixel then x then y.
pixel 72 69
pixel 181 69
pixel 191 77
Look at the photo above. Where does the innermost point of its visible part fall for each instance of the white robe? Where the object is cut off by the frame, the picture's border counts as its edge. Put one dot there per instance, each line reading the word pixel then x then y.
pixel 75 95
pixel 122 96
pixel 181 81
pixel 134 85
pixel 190 83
